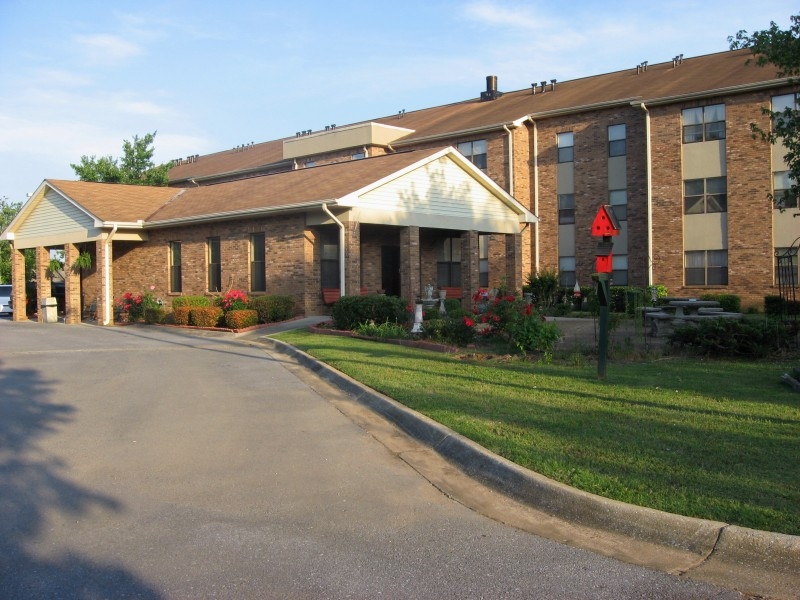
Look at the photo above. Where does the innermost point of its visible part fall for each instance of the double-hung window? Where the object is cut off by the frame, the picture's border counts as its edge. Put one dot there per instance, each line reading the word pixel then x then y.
pixel 483 260
pixel 175 279
pixel 475 151
pixel 704 123
pixel 617 144
pixel 706 267
pixel 566 209
pixel 214 259
pixel 329 261
pixel 702 196
pixel 566 147
pixel 448 263
pixel 258 267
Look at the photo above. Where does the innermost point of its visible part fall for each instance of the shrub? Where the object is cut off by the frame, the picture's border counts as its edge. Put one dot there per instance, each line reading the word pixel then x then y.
pixel 349 311
pixel 272 308
pixel 154 315
pixel 385 330
pixel 136 305
pixel 241 318
pixel 180 315
pixel 529 332
pixel 190 301
pixel 459 331
pixel 233 300
pixel 728 302
pixel 543 286
pixel 730 338
pixel 205 316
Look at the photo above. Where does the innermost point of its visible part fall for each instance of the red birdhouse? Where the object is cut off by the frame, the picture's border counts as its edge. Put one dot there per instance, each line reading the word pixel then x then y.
pixel 605 225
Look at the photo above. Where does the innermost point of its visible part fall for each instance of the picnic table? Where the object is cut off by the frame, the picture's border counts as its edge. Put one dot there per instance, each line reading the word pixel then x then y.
pixel 662 320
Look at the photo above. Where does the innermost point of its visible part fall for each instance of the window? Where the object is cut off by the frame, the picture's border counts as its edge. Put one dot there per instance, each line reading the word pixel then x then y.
pixel 258 267
pixel 483 260
pixel 780 104
pixel 617 145
pixel 448 263
pixel 705 196
pixel 175 280
pixel 475 152
pixel 214 265
pixel 619 269
pixel 566 209
pixel 566 147
pixel 781 184
pixel 704 123
pixel 706 267
pixel 358 155
pixel 566 271
pixel 329 261
pixel 618 199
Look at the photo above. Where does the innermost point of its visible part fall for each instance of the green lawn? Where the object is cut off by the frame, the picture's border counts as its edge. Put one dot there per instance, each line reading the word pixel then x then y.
pixel 710 439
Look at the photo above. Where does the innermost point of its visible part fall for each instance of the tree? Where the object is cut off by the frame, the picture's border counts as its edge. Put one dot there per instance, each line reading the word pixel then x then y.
pixel 781 49
pixel 9 210
pixel 135 167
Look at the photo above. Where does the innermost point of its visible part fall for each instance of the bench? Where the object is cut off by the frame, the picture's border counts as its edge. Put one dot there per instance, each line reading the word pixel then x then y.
pixel 453 292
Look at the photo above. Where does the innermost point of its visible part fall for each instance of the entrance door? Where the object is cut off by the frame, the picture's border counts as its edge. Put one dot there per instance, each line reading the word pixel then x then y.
pixel 390 270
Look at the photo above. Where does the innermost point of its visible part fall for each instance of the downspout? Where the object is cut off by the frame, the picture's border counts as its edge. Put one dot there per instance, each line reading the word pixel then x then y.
pixel 107 274
pixel 341 247
pixel 536 188
pixel 510 160
pixel 648 158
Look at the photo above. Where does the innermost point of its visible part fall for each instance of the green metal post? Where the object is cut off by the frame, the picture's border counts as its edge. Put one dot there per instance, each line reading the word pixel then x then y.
pixel 603 299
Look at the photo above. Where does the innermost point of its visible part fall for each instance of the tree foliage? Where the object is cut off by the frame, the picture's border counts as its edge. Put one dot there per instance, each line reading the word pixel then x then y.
pixel 9 210
pixel 135 166
pixel 780 48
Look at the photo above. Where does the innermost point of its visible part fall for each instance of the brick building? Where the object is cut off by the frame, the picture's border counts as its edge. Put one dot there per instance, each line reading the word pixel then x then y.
pixel 668 145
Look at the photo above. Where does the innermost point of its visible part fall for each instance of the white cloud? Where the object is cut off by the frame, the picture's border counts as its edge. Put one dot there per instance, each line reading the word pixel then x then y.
pixel 490 13
pixel 107 48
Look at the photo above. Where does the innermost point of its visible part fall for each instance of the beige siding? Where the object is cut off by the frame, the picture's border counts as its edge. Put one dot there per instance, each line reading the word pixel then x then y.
pixel 54 221
pixel 704 159
pixel 705 232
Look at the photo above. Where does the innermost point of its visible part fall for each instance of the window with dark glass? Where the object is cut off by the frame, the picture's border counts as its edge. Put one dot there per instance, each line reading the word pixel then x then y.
pixel 566 209
pixel 329 262
pixel 258 266
pixel 706 267
pixel 214 265
pixel 705 196
pixel 617 144
pixel 566 271
pixel 704 123
pixel 618 199
pixel 175 279
pixel 781 184
pixel 619 269
pixel 475 151
pixel 566 147
pixel 448 263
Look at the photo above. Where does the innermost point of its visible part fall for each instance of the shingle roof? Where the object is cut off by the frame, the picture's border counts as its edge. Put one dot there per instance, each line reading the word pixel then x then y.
pixel 697 75
pixel 113 201
pixel 285 190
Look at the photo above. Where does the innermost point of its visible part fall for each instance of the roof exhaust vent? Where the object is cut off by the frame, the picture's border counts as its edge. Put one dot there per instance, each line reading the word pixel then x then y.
pixel 491 92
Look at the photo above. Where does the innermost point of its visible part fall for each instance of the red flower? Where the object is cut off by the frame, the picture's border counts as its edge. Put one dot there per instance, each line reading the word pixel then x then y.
pixel 528 309
pixel 469 322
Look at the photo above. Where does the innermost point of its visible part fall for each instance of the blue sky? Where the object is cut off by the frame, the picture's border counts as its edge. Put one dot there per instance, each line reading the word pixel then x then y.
pixel 79 77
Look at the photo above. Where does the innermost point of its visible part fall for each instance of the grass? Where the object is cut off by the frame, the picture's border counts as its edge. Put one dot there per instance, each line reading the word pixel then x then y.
pixel 710 439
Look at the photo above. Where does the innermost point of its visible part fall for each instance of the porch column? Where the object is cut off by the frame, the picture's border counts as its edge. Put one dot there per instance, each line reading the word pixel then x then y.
pixel 409 263
pixel 514 275
pixel 18 284
pixel 43 284
pixel 72 286
pixel 352 257
pixel 470 265
pixel 105 305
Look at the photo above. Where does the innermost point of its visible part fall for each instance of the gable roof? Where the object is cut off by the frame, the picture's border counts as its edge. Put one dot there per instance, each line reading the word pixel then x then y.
pixel 712 74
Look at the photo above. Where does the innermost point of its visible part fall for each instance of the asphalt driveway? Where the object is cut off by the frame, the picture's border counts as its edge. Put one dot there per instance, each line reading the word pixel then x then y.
pixel 140 462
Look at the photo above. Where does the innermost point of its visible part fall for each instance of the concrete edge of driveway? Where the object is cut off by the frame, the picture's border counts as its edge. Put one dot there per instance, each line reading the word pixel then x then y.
pixel 756 562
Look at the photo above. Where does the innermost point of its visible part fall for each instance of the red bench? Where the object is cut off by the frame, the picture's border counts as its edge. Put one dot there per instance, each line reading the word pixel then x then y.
pixel 453 292
pixel 330 295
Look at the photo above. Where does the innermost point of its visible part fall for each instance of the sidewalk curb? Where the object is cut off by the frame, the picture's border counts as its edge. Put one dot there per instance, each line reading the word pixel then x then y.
pixel 755 562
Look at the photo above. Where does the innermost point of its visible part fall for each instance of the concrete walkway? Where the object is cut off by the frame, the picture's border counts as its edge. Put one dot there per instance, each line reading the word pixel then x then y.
pixel 760 563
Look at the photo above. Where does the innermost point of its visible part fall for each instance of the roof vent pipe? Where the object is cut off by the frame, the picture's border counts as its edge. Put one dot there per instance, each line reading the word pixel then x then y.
pixel 552 85
pixel 491 92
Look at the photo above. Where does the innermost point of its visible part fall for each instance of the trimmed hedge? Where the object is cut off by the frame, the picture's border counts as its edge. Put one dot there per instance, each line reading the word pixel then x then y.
pixel 190 301
pixel 181 316
pixel 240 319
pixel 154 315
pixel 350 311
pixel 272 308
pixel 728 302
pixel 205 316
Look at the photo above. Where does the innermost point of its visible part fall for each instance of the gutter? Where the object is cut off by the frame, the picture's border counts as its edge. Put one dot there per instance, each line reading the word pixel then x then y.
pixel 341 248
pixel 107 274
pixel 648 158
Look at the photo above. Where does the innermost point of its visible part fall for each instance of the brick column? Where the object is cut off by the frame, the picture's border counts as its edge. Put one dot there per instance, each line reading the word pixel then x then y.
pixel 100 246
pixel 514 274
pixel 43 284
pixel 18 284
pixel 72 286
pixel 352 258
pixel 409 263
pixel 470 266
